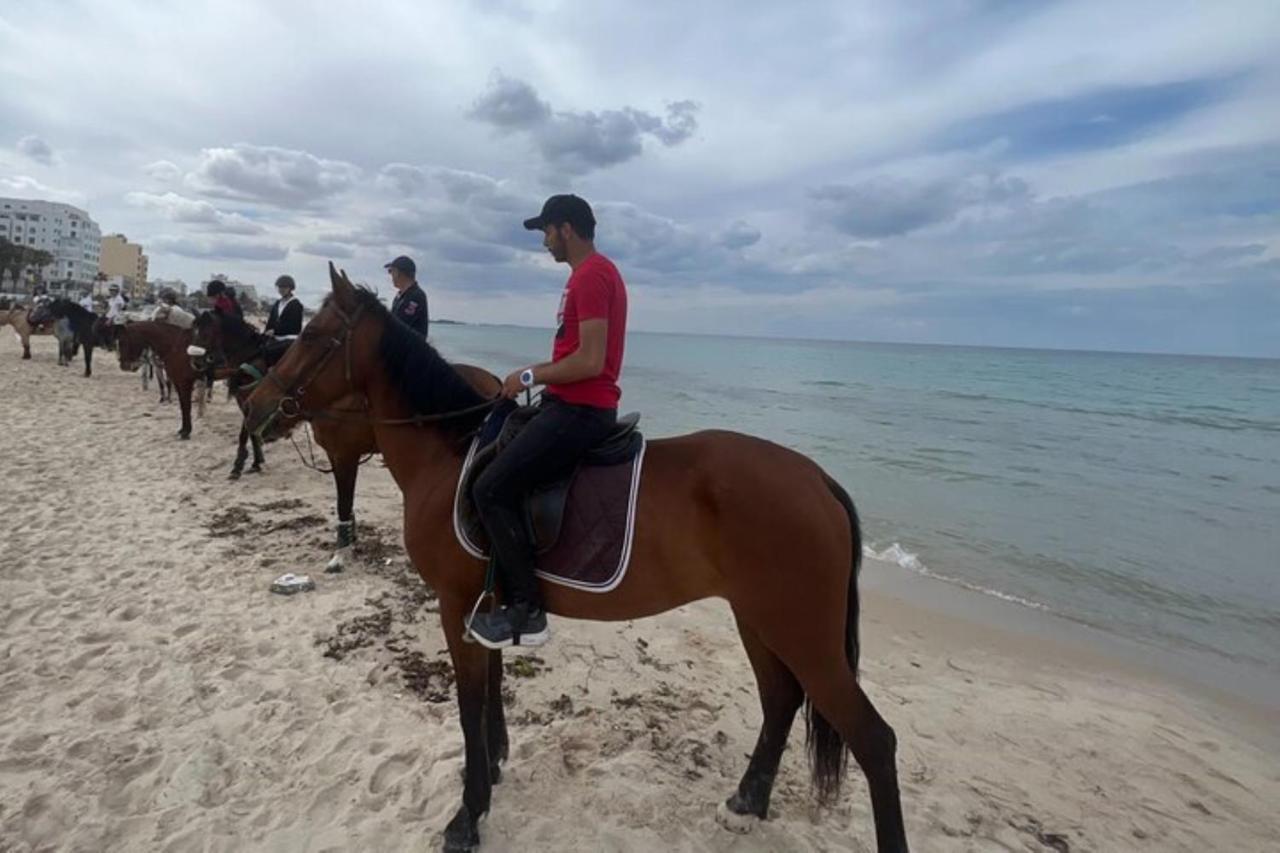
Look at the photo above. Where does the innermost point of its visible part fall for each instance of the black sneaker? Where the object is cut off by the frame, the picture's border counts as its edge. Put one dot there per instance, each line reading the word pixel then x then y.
pixel 495 630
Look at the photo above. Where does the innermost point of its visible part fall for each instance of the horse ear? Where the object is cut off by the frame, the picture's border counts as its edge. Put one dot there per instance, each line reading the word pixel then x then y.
pixel 343 290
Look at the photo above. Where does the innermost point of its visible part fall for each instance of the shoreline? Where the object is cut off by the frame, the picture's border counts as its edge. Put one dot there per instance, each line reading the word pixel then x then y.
pixel 1087 645
pixel 154 695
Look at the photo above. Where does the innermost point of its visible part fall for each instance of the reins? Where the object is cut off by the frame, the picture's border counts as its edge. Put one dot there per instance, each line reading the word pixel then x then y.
pixel 289 404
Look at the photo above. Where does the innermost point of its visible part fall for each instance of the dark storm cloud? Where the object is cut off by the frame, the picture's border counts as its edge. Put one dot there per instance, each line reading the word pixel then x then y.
pixel 37 149
pixel 580 142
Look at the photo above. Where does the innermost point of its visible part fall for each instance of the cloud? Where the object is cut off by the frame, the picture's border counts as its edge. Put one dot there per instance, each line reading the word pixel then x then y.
pixel 269 175
pixel 404 179
pixel 25 186
pixel 163 171
pixel 888 206
pixel 326 249
pixel 178 208
pixel 739 235
pixel 37 149
pixel 580 142
pixel 218 249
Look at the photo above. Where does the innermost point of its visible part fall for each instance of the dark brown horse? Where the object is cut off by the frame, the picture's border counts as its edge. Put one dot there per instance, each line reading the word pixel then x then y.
pixel 242 355
pixel 170 344
pixel 720 514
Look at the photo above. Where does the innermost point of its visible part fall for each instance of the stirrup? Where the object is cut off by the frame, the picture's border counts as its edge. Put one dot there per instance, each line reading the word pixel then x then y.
pixel 467 636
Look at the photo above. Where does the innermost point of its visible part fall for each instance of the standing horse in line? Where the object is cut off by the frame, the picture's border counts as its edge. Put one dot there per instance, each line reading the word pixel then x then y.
pixel 19 318
pixel 245 355
pixel 720 514
pixel 76 333
pixel 170 344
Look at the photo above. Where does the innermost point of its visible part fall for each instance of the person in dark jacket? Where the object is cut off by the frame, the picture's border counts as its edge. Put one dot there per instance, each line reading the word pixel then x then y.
pixel 285 320
pixel 410 303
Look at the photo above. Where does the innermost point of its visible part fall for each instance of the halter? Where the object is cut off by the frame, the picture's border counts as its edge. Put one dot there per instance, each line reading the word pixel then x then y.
pixel 290 405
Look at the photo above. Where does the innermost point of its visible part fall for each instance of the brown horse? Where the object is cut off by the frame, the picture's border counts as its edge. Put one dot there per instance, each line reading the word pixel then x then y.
pixel 720 514
pixel 244 355
pixel 170 344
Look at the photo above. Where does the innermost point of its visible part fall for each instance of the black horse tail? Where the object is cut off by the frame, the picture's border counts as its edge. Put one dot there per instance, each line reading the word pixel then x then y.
pixel 828 753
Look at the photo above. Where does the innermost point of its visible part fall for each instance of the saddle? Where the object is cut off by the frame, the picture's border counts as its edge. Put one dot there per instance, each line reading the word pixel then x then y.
pixel 545 506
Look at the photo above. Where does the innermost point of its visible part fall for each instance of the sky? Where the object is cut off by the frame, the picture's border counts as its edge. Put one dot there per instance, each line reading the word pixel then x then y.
pixel 1088 175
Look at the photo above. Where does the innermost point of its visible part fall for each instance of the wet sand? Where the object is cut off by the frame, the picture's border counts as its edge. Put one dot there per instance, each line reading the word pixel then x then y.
pixel 155 696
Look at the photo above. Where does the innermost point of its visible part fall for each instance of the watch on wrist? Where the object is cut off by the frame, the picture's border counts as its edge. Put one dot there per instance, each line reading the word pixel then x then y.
pixel 526 377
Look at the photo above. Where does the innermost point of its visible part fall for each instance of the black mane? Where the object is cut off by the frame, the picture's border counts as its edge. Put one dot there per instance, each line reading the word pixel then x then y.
pixel 71 310
pixel 428 383
pixel 237 329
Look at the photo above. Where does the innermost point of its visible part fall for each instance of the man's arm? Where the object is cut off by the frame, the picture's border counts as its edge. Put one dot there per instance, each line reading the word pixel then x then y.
pixel 586 362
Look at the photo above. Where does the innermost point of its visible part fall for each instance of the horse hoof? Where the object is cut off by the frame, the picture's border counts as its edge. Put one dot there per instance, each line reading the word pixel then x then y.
pixel 234 475
pixel 462 835
pixel 735 821
pixel 184 436
pixel 255 469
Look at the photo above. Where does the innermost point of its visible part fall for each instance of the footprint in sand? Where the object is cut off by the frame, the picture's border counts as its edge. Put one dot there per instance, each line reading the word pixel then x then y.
pixel 391 771
pixel 184 630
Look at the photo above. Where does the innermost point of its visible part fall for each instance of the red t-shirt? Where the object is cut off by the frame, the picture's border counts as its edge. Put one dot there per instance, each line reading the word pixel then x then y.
pixel 594 292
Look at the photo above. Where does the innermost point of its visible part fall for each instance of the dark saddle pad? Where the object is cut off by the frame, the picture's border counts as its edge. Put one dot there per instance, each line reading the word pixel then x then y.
pixel 580 524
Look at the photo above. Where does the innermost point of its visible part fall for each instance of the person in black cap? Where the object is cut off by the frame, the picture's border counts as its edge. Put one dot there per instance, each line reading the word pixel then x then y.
pixel 578 409
pixel 410 303
pixel 285 320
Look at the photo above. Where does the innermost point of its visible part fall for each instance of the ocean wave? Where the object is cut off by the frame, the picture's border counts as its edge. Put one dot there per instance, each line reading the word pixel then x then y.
pixel 900 556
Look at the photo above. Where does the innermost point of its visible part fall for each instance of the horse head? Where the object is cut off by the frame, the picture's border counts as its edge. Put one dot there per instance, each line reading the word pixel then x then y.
pixel 328 361
pixel 130 348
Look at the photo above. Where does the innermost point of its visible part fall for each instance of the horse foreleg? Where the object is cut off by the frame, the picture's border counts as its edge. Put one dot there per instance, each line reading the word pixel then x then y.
pixel 471 670
pixel 780 698
pixel 496 719
pixel 345 470
pixel 184 404
pixel 88 359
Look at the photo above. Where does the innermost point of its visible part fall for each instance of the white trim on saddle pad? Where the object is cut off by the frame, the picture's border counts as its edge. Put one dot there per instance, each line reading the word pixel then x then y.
pixel 624 558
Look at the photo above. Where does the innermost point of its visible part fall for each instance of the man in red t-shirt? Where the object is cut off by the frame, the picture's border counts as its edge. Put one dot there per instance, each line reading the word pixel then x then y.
pixel 578 409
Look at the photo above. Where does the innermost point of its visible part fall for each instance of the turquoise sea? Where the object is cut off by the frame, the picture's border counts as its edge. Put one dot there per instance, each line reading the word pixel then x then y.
pixel 1137 494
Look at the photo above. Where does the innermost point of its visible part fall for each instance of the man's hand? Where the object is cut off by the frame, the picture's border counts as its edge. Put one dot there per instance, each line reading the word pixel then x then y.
pixel 512 386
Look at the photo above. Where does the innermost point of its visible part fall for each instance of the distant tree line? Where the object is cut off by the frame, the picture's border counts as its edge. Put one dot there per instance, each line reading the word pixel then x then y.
pixel 16 259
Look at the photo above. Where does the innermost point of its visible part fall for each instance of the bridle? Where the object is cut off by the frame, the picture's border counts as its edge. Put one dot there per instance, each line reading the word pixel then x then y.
pixel 291 402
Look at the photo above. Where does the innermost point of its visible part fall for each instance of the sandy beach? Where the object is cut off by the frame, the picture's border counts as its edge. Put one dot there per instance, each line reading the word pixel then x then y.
pixel 155 696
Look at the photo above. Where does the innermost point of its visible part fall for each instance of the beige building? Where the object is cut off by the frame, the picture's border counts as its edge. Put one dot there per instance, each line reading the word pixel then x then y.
pixel 120 257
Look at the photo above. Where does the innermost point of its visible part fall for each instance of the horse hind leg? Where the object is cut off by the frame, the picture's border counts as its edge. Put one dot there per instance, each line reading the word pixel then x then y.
pixel 841 715
pixel 780 698
pixel 258 458
pixel 242 455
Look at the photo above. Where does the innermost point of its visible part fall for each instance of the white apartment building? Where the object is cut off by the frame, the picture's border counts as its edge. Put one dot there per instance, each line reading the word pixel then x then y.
pixel 62 230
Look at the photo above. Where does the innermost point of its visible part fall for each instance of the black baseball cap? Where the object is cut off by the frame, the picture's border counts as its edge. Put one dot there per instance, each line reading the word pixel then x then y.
pixel 405 264
pixel 562 209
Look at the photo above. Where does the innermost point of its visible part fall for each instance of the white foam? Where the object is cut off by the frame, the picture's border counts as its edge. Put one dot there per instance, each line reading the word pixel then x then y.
pixel 900 556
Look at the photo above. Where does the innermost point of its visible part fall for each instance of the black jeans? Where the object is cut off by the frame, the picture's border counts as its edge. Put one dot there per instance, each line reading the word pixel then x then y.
pixel 549 446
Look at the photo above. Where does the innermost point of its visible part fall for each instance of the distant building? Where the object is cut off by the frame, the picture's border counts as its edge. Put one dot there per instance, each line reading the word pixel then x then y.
pixel 177 285
pixel 62 230
pixel 246 294
pixel 120 257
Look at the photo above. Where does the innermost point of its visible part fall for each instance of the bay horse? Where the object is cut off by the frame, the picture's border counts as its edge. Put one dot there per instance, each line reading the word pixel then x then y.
pixel 242 356
pixel 80 331
pixel 720 514
pixel 170 344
